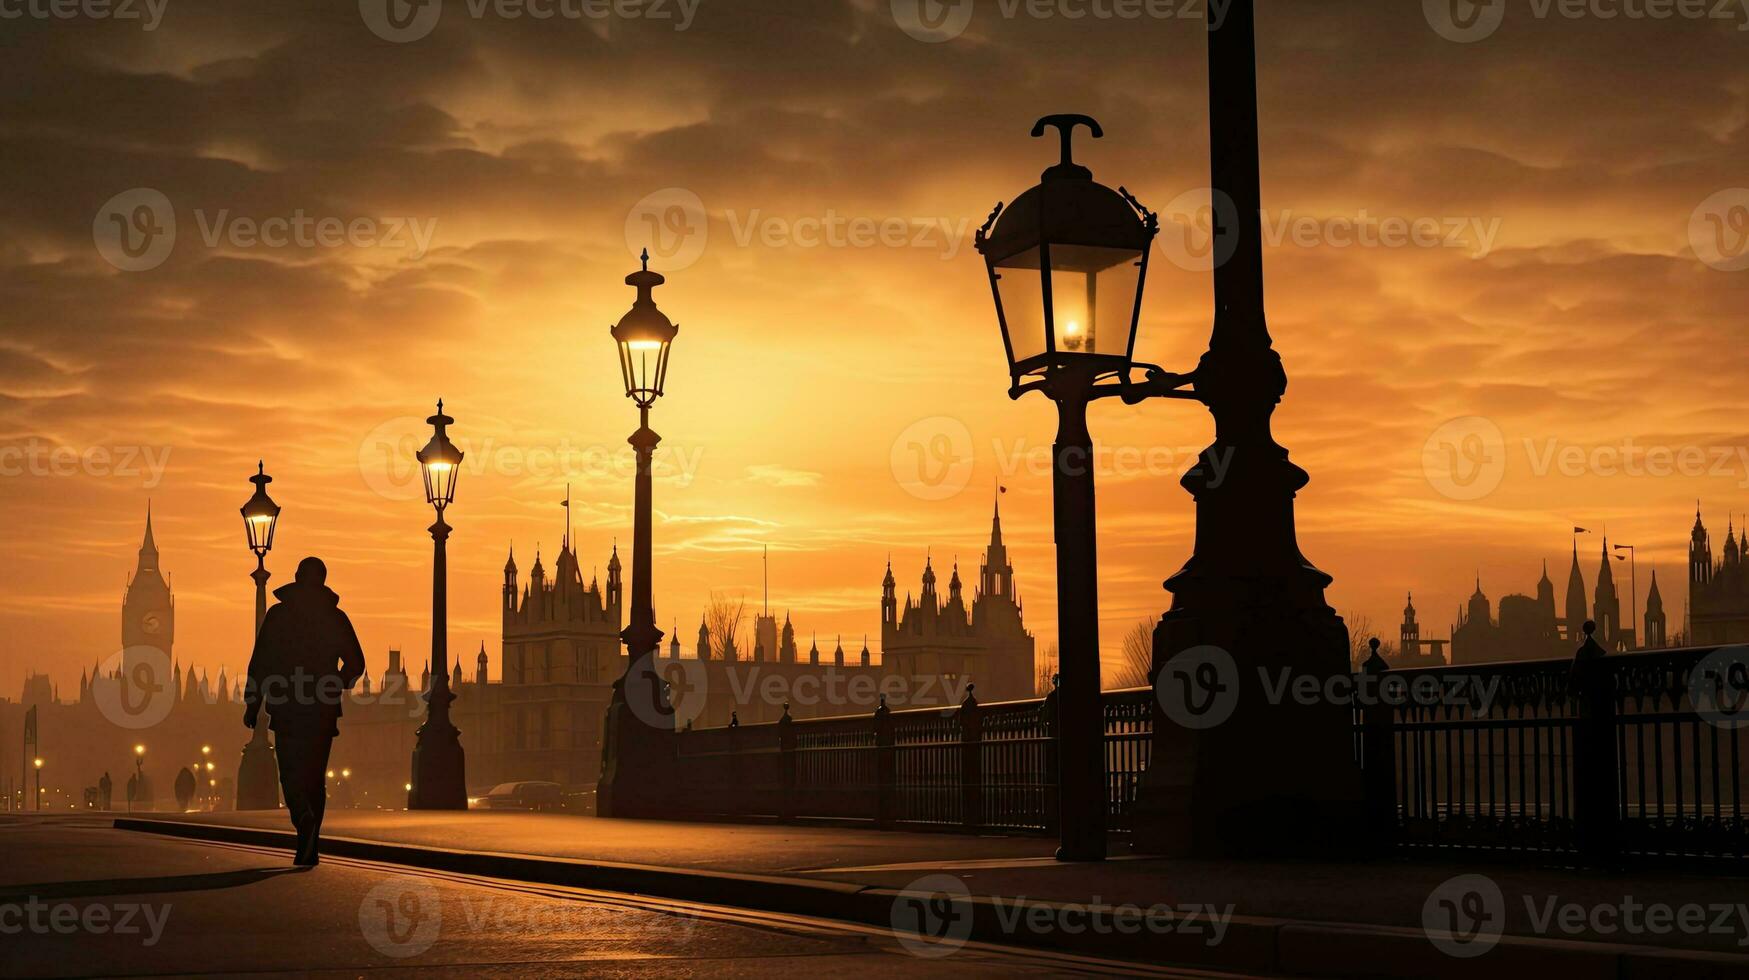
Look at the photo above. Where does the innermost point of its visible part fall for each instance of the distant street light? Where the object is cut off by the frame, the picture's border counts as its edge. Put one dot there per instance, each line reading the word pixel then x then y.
pixel 139 775
pixel 439 768
pixel 258 772
pixel 633 766
pixel 39 783
pixel 1633 592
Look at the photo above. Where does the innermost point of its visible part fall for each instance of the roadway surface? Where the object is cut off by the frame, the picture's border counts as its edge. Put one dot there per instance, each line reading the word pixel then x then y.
pixel 78 898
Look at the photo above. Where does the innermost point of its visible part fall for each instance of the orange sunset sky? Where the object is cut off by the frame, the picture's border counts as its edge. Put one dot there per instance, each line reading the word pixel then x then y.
pixel 827 375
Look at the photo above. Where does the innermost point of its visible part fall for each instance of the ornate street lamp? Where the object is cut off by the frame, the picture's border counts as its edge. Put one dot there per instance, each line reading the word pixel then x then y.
pixel 1068 261
pixel 258 772
pixel 260 518
pixel 632 769
pixel 439 772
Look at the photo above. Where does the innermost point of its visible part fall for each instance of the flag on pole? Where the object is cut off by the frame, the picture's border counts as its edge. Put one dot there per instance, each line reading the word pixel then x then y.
pixel 1580 530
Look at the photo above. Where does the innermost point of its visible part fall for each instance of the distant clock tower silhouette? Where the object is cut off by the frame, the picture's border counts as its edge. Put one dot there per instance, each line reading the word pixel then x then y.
pixel 148 613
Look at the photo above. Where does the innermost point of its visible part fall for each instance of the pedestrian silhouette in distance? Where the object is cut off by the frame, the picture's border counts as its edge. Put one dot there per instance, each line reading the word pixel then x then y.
pixel 184 788
pixel 105 787
pixel 306 658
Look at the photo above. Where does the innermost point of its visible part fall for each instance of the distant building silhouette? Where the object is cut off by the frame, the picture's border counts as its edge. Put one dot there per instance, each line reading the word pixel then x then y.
pixel 148 612
pixel 1718 594
pixel 1526 629
pixel 1412 650
pixel 1655 635
pixel 987 642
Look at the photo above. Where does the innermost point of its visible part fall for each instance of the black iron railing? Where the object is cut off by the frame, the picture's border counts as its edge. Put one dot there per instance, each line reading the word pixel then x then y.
pixel 972 766
pixel 1598 757
pixel 1602 756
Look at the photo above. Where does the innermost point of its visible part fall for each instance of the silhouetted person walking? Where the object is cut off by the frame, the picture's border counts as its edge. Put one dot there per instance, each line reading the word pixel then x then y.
pixel 306 658
pixel 184 788
pixel 105 789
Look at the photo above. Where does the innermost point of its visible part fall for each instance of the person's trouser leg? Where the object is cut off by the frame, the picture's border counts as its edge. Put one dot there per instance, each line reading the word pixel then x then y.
pixel 293 764
pixel 319 747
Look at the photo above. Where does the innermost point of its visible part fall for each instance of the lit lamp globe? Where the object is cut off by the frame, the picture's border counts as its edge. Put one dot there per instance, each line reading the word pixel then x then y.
pixel 441 462
pixel 1067 262
pixel 260 514
pixel 643 336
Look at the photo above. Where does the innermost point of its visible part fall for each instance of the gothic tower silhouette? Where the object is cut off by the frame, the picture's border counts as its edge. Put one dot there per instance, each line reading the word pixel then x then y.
pixel 148 612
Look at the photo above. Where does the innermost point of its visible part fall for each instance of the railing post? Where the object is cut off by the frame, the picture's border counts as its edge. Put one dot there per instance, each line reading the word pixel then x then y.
pixel 971 761
pixel 733 794
pixel 884 767
pixel 1597 810
pixel 786 765
pixel 1047 716
pixel 1378 750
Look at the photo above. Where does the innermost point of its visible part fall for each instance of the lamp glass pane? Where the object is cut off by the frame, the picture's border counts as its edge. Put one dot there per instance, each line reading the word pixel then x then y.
pixel 1093 293
pixel 259 527
pixel 440 480
pixel 1020 284
pixel 644 361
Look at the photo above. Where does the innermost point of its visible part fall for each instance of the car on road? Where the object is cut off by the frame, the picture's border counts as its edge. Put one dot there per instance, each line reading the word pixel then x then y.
pixel 522 795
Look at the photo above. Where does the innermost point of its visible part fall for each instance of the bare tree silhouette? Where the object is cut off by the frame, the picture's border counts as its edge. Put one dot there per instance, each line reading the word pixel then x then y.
pixel 1360 630
pixel 1136 657
pixel 723 617
pixel 1047 669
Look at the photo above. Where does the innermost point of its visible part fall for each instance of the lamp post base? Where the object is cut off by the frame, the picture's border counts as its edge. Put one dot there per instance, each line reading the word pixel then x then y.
pixel 439 772
pixel 258 776
pixel 637 749
pixel 1276 776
